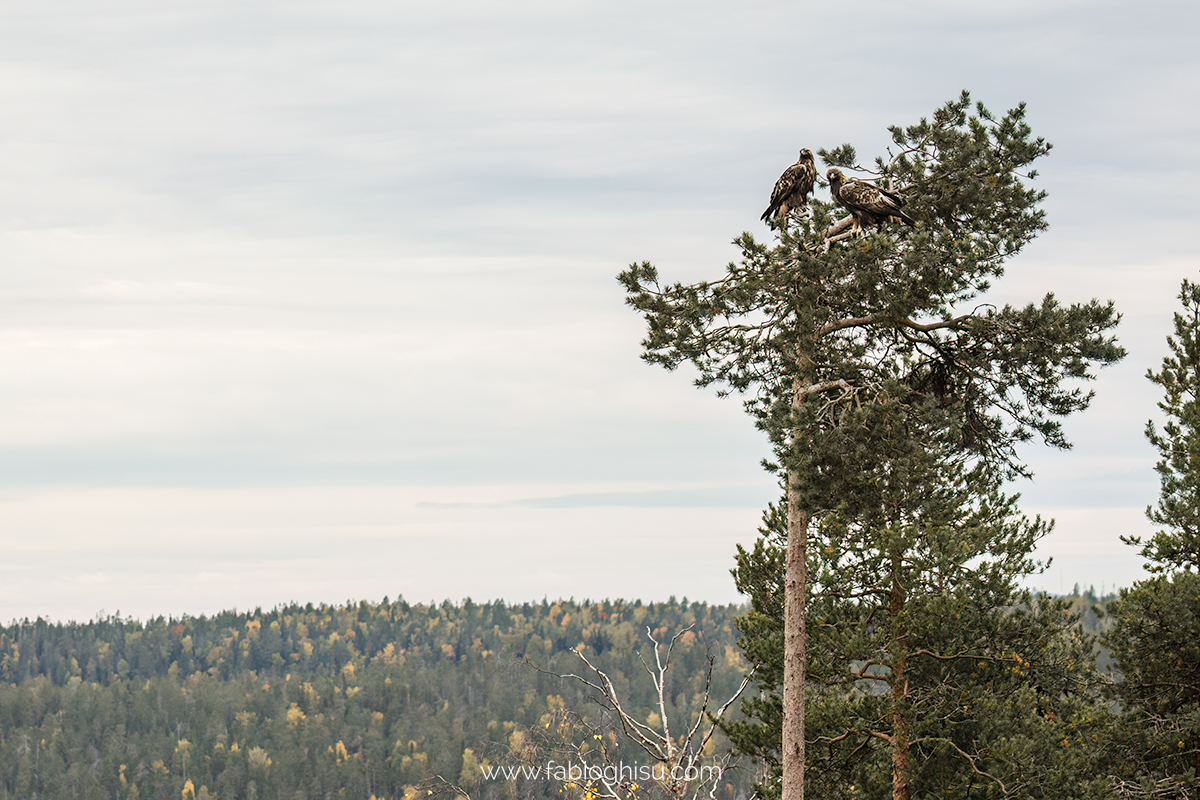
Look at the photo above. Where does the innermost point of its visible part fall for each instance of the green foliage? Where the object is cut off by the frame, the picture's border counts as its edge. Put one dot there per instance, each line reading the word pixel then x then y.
pixel 1155 633
pixel 309 701
pixel 929 620
pixel 881 316
pixel 1177 545
pixel 1155 643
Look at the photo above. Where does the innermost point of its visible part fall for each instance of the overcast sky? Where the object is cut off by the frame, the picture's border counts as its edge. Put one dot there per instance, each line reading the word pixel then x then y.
pixel 317 301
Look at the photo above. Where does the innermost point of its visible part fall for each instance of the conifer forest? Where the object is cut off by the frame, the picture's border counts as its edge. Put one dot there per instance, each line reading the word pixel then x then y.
pixel 360 700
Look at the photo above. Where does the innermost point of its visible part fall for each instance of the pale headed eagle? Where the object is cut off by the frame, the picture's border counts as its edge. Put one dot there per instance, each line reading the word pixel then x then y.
pixel 870 205
pixel 793 187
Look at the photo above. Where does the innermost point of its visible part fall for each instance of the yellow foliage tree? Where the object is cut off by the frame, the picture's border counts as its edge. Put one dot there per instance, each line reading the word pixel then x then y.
pixel 470 774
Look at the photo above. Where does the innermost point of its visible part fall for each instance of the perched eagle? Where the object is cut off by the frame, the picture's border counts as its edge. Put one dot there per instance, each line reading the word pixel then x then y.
pixel 793 187
pixel 870 205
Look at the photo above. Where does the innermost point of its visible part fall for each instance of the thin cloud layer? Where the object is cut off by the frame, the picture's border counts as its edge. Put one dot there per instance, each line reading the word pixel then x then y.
pixel 260 247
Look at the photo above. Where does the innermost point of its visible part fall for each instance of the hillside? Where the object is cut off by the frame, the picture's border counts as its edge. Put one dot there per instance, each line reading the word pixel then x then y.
pixel 358 700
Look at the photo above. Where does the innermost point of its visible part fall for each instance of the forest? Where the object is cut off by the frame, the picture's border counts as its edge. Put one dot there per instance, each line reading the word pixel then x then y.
pixel 359 700
pixel 381 700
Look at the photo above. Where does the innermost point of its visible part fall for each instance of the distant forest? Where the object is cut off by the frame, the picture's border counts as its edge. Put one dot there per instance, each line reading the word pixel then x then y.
pixel 356 701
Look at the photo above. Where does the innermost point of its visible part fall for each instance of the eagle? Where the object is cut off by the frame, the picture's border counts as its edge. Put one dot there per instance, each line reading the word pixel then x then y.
pixel 869 205
pixel 793 187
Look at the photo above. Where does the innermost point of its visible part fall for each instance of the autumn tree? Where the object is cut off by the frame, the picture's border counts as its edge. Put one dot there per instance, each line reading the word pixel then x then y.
pixel 855 354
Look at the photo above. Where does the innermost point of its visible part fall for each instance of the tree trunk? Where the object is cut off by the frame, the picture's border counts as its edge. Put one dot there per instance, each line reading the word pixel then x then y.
pixel 795 641
pixel 794 646
pixel 901 735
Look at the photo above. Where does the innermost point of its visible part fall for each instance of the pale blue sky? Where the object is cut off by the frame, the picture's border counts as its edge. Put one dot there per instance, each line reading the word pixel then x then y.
pixel 316 301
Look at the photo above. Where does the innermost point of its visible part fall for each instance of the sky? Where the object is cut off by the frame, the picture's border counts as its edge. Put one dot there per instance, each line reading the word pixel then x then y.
pixel 315 302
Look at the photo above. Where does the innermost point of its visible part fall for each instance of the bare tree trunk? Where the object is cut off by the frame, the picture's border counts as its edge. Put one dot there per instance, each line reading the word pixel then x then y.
pixel 794 647
pixel 795 641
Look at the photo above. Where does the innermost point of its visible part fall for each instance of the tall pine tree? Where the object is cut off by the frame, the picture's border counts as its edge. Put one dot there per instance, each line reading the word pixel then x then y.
pixel 1155 638
pixel 932 671
pixel 1177 544
pixel 873 366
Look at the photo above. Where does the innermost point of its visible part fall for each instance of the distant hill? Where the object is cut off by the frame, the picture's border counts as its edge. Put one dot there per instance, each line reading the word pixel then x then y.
pixel 360 700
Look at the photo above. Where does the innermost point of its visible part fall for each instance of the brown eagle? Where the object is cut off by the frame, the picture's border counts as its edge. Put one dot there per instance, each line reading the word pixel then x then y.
pixel 793 187
pixel 869 205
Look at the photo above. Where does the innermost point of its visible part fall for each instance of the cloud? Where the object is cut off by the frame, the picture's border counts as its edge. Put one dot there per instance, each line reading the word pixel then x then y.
pixel 265 245
pixel 709 497
pixel 151 551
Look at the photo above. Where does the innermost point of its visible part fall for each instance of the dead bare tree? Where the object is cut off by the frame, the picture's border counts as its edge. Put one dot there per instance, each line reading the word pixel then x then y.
pixel 684 764
pixel 582 754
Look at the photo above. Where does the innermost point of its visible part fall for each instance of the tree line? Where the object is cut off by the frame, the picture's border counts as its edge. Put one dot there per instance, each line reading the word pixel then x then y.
pixel 359 700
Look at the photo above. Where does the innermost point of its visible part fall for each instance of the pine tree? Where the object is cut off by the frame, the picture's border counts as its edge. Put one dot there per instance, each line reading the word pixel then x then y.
pixel 1155 638
pixel 856 356
pixel 1155 643
pixel 1177 545
pixel 933 673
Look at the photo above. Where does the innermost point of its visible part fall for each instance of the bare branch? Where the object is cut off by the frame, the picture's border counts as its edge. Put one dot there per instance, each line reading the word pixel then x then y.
pixel 837 227
pixel 933 326
pixel 824 387
pixel 970 759
pixel 640 733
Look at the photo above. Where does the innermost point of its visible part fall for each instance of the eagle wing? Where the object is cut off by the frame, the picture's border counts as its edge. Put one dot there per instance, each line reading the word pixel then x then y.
pixel 793 187
pixel 872 205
